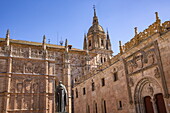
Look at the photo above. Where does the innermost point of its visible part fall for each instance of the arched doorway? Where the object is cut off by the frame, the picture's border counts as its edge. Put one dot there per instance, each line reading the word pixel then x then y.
pixel 148 97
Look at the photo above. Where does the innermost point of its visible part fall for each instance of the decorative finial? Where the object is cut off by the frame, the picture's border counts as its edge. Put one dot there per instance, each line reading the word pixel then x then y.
pixel 157 17
pixel 7 37
pixel 7 34
pixel 120 47
pixel 66 45
pixel 44 39
pixel 136 31
pixel 44 42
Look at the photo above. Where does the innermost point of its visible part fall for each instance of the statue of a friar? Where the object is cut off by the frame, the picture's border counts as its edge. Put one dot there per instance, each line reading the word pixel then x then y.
pixel 61 98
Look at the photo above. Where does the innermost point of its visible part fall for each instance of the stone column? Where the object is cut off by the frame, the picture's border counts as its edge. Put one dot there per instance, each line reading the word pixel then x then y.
pixel 153 100
pixel 9 69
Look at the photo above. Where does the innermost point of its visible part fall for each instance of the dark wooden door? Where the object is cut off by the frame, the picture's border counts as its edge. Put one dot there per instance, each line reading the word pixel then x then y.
pixel 160 103
pixel 148 104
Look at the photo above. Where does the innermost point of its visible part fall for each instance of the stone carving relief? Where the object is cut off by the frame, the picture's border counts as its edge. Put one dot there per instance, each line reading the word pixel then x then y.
pixel 26 91
pixel 140 60
pixel 22 66
pixel 36 53
pixel 20 51
pixel 150 90
pixel 151 57
pixel 51 55
pixel 17 66
pixel 3 65
pixel 156 72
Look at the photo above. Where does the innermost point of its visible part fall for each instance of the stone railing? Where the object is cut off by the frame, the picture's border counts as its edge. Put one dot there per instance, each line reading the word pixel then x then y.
pixel 156 27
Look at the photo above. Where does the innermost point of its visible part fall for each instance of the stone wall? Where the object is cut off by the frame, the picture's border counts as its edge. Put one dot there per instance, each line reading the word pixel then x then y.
pixel 141 70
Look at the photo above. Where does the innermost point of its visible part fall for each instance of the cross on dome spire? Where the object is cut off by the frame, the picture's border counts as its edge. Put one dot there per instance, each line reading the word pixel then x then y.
pixel 94 10
pixel 95 19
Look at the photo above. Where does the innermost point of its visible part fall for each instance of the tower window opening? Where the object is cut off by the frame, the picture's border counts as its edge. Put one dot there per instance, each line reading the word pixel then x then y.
pixel 103 81
pixel 104 59
pixel 115 77
pixel 89 43
pixel 84 91
pixel 101 60
pixel 93 86
pixel 76 93
pixel 102 42
pixel 120 105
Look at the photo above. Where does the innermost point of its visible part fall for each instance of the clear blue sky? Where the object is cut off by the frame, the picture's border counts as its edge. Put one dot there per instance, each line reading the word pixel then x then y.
pixel 31 19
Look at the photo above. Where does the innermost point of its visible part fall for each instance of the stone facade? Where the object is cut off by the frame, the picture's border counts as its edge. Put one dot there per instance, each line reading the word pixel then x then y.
pixel 95 80
pixel 134 81
pixel 30 71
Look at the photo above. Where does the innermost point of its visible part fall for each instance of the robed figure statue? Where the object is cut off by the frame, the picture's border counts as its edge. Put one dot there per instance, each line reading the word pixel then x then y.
pixel 61 98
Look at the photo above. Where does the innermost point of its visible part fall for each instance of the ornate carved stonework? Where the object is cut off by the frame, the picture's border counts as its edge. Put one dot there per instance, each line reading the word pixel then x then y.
pixel 3 65
pixel 22 66
pixel 18 51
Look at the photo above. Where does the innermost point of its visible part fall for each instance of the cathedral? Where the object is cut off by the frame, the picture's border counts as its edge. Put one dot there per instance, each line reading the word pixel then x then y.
pixel 136 80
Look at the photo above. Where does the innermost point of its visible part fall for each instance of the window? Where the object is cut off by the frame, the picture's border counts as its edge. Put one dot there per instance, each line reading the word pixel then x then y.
pixel 102 42
pixel 84 91
pixel 101 60
pixel 88 109
pixel 93 86
pixel 120 105
pixel 95 107
pixel 89 43
pixel 103 81
pixel 104 109
pixel 76 93
pixel 115 77
pixel 104 59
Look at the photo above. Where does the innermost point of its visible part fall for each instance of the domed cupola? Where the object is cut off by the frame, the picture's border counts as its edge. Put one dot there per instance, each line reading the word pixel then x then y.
pixel 95 25
pixel 98 41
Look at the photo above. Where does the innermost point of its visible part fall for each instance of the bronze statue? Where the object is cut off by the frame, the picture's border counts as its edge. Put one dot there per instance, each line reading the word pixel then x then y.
pixel 61 98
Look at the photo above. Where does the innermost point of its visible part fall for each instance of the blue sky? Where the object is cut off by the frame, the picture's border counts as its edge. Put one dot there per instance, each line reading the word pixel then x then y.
pixel 31 19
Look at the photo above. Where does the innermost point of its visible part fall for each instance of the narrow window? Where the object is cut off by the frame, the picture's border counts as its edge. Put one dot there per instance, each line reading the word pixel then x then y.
pixel 84 91
pixel 115 77
pixel 93 86
pixel 89 43
pixel 105 110
pixel 96 107
pixel 101 60
pixel 103 81
pixel 120 105
pixel 104 59
pixel 88 109
pixel 102 42
pixel 76 93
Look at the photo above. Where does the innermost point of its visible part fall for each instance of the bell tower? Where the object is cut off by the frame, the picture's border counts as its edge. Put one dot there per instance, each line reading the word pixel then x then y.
pixel 97 41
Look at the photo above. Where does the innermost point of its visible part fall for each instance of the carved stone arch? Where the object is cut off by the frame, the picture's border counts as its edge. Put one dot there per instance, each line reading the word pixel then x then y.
pixel 145 87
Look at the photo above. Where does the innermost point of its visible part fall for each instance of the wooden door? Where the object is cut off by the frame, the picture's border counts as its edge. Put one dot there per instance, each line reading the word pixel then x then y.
pixel 160 103
pixel 148 104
